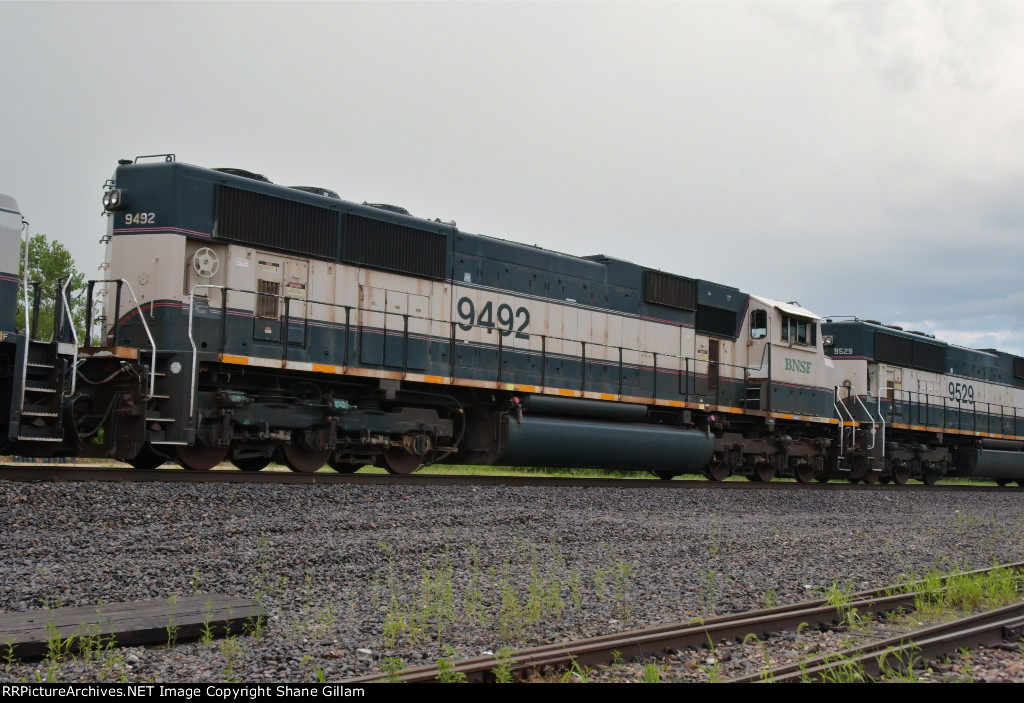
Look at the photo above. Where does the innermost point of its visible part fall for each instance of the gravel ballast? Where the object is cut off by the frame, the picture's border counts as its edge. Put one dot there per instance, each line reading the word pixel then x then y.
pixel 353 575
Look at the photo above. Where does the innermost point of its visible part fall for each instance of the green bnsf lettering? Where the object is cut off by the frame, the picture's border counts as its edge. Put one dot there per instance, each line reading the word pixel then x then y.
pixel 798 366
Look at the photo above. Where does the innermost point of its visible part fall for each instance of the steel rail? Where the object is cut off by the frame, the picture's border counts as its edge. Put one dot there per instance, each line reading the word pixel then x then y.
pixel 598 651
pixel 174 474
pixel 899 653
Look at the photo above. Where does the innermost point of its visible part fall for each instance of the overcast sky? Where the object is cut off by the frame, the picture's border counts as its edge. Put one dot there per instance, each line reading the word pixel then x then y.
pixel 861 158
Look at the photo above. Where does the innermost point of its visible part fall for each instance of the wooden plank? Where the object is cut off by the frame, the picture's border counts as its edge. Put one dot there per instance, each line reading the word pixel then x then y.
pixel 33 634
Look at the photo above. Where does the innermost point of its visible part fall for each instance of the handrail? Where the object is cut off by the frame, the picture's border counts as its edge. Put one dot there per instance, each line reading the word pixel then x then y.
pixel 867 412
pixel 881 416
pixel 145 326
pixel 195 351
pixel 503 332
pixel 839 415
pixel 853 423
pixel 28 333
pixel 687 364
pixel 74 333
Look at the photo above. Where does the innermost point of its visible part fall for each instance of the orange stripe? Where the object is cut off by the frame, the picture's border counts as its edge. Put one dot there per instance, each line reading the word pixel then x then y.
pixel 231 359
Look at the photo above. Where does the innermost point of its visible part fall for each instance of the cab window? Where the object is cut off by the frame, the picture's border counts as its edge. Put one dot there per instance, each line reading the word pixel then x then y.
pixel 758 324
pixel 797 330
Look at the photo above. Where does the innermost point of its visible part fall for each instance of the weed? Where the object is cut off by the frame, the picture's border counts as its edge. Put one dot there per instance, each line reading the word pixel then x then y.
pixel 574 588
pixel 394 625
pixel 623 585
pixel 766 672
pixel 207 629
pixel 172 629
pixel 651 673
pixel 708 591
pixel 843 670
pixel 254 626
pixel 197 581
pixel 966 666
pixel 503 670
pixel 393 667
pixel 599 582
pixel 841 598
pixel 56 649
pixel 575 673
pixel 232 650
pixel 317 671
pixel 9 659
pixel 714 666
pixel 770 598
pixel 510 617
pixel 446 668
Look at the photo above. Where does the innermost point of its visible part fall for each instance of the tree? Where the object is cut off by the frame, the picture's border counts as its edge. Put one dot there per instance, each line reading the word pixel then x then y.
pixel 50 264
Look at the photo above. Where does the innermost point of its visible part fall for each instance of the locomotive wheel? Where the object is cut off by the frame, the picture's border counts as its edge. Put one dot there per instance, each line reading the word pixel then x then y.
pixel 930 478
pixel 804 474
pixel 252 463
pixel 401 462
pixel 343 467
pixel 884 479
pixel 303 460
pixel 664 475
pixel 200 457
pixel 147 459
pixel 717 471
pixel 901 475
pixel 824 478
pixel 872 477
pixel 763 473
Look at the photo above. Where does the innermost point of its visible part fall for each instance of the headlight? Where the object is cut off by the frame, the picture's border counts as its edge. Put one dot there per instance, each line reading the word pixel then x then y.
pixel 113 200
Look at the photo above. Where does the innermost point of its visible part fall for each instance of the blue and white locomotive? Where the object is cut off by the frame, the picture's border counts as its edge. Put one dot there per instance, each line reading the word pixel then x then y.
pixel 247 321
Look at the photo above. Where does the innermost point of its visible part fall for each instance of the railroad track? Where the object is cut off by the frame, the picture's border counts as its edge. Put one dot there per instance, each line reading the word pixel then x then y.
pixel 986 628
pixel 78 472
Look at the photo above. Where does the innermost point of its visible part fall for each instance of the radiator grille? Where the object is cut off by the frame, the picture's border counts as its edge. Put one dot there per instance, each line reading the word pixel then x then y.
pixel 716 321
pixel 672 291
pixel 270 222
pixel 394 247
pixel 929 357
pixel 894 350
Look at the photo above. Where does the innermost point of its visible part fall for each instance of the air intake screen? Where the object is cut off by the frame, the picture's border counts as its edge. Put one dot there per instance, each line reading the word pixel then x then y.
pixel 929 357
pixel 716 321
pixel 894 350
pixel 673 291
pixel 270 222
pixel 393 247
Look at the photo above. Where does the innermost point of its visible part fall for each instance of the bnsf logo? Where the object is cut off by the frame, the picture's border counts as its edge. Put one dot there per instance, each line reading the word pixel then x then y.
pixel 798 366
